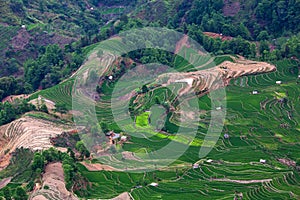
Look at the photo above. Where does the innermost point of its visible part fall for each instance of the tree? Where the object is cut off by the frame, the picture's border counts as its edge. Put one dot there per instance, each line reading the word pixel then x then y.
pixel 71 152
pixel 38 161
pixel 61 108
pixel 7 193
pixel 17 7
pixel 104 126
pixel 69 174
pixel 20 194
pixel 263 35
pixel 82 149
pixel 44 108
pixel 30 186
pixel 264 46
pixel 145 89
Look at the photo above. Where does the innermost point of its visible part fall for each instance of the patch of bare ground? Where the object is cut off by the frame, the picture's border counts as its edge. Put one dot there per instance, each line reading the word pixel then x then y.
pixel 53 178
pixel 4 159
pixel 20 40
pixel 241 181
pixel 182 43
pixel 231 7
pixel 12 98
pixel 123 196
pixel 98 167
pixel 130 156
pixel 4 182
pixel 287 162
pixel 44 39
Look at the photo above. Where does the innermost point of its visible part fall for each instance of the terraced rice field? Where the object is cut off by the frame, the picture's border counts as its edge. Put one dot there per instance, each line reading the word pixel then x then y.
pixel 61 93
pixel 260 126
pixel 255 125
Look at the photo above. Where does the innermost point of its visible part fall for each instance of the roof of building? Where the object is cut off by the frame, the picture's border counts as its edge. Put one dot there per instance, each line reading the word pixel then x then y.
pixel 154 184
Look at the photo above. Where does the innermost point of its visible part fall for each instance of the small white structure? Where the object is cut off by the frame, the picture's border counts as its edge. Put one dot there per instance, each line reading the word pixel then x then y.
pixel 298 76
pixel 255 92
pixel 116 136
pixel 110 77
pixel 219 108
pixel 195 166
pixel 154 184
pixel 278 82
pixel 209 161
pixel 226 136
pixel 92 8
pixel 124 138
pixel 262 161
pixel 23 26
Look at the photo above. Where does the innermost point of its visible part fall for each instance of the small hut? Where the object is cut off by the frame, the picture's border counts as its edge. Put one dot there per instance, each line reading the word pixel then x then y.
pixel 154 184
pixel 219 108
pixel 195 166
pixel 254 92
pixel 262 161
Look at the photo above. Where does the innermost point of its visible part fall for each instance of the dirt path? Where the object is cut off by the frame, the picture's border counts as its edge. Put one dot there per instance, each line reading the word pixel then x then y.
pixel 242 181
pixel 181 43
pixel 4 182
pixel 123 196
pixel 98 167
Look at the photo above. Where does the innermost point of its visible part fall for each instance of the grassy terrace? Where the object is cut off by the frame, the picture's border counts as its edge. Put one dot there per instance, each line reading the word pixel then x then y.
pixel 254 123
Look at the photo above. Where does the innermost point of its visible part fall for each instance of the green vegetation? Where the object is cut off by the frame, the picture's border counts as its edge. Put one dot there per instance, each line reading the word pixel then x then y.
pixel 58 35
pixel 6 33
pixel 61 94
pixel 11 111
pixel 142 120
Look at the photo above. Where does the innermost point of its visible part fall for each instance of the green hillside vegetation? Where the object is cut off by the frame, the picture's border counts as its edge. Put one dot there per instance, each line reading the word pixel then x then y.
pixel 262 120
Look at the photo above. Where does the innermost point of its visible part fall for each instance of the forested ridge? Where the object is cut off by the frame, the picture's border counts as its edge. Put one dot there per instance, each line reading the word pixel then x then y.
pixel 258 29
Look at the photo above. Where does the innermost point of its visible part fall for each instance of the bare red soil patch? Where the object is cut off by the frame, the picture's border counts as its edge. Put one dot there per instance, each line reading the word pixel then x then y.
pixel 217 35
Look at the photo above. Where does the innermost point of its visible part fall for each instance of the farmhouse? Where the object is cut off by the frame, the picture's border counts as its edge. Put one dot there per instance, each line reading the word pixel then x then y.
pixel 209 161
pixel 124 138
pixel 110 77
pixel 116 136
pixel 262 161
pixel 278 82
pixel 255 92
pixel 219 108
pixel 154 184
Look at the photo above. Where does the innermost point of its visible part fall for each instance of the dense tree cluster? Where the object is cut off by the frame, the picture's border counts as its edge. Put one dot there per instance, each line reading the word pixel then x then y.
pixel 10 111
pixel 51 67
pixel 268 16
pixel 10 85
